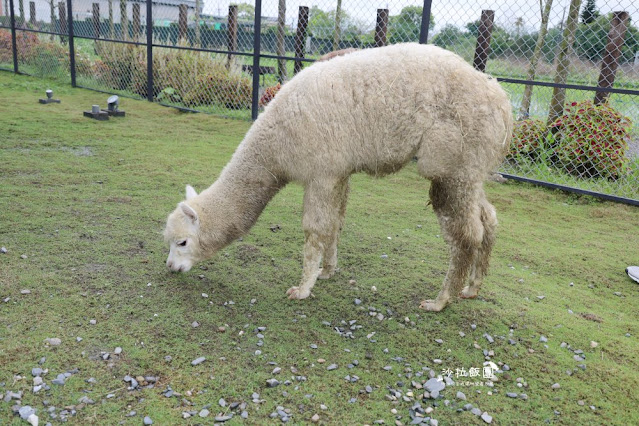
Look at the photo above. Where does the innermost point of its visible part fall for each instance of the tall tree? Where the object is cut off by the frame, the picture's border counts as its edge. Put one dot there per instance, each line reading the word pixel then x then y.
pixel 563 61
pixel 524 109
pixel 590 13
pixel 281 48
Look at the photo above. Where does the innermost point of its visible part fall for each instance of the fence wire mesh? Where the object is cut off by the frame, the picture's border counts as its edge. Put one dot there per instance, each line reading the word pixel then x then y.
pixel 550 56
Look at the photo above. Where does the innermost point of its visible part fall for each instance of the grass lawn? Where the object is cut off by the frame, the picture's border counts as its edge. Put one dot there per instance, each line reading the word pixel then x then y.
pixel 82 208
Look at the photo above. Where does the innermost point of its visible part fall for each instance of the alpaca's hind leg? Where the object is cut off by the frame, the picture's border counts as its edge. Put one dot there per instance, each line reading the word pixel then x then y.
pixel 456 204
pixel 322 202
pixel 482 258
pixel 329 258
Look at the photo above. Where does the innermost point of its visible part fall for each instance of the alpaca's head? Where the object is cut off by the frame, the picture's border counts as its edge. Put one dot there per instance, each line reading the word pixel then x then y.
pixel 182 235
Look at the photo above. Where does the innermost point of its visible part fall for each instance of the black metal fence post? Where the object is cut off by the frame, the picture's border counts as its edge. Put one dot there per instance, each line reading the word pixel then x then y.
pixel 256 59
pixel 423 32
pixel 71 45
pixel 149 50
pixel 14 46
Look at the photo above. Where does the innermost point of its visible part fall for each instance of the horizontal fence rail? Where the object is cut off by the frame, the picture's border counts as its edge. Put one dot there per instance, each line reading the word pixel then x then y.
pixel 571 67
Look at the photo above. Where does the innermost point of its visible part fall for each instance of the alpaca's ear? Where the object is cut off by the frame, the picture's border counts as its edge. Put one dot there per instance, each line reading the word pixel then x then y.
pixel 190 192
pixel 189 212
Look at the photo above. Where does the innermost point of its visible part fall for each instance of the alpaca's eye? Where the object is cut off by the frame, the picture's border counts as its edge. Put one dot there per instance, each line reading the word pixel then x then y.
pixel 182 243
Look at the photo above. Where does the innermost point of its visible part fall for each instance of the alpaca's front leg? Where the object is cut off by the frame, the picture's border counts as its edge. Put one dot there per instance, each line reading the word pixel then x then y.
pixel 312 258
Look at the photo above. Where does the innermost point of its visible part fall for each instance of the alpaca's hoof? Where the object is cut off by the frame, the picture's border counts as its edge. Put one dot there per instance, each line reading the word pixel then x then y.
pixel 326 274
pixel 296 293
pixel 469 293
pixel 432 305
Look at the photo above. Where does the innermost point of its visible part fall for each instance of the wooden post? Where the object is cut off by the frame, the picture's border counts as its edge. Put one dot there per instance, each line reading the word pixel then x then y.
pixel 136 20
pixel 484 33
pixel 381 27
pixel 198 36
pixel 52 17
pixel 96 20
pixel 32 13
pixel 62 15
pixel 300 37
pixel 610 62
pixel 111 21
pixel 281 39
pixel 124 21
pixel 337 33
pixel 182 22
pixel 21 10
pixel 232 32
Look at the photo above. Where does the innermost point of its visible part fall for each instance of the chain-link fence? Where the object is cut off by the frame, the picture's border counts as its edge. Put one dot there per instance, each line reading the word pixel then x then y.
pixel 571 67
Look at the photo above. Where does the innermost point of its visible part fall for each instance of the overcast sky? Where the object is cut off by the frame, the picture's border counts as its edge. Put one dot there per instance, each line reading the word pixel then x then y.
pixel 458 12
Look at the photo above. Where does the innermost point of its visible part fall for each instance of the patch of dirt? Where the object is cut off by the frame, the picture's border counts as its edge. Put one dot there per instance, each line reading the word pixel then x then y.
pixel 119 200
pixel 94 267
pixel 248 253
pixel 83 151
pixel 591 317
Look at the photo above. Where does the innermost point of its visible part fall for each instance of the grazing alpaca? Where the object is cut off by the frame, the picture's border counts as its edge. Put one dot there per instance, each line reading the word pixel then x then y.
pixel 369 111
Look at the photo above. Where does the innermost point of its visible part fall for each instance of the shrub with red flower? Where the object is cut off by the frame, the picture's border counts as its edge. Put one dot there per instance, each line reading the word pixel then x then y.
pixel 592 140
pixel 269 94
pixel 527 139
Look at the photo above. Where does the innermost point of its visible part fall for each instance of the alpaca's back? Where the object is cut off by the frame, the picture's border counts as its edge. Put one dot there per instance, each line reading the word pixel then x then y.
pixel 374 110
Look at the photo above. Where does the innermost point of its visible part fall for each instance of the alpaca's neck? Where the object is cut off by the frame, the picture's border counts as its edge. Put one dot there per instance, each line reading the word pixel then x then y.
pixel 232 205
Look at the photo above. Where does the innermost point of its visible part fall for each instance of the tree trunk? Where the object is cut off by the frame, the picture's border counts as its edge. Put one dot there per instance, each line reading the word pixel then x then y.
pixel 524 109
pixel 281 48
pixel 336 31
pixel 563 61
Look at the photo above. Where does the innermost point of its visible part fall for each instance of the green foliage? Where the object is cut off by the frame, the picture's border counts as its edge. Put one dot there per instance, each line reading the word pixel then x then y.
pixel 191 78
pixel 589 13
pixel 591 39
pixel 168 94
pixel 592 140
pixel 246 11
pixel 26 43
pixel 120 65
pixel 221 87
pixel 321 24
pixel 407 25
pixel 450 36
pixel 588 141
pixel 527 141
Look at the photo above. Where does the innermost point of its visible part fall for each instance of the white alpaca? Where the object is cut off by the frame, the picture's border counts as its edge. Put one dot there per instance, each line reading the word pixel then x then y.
pixel 369 111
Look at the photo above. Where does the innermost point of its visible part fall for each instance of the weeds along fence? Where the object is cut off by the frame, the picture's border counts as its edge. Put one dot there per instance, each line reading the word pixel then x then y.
pixel 571 67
